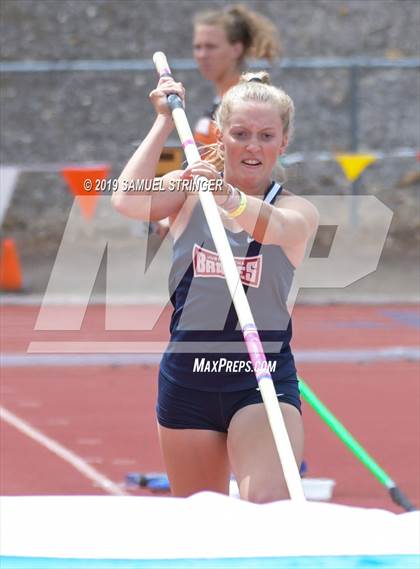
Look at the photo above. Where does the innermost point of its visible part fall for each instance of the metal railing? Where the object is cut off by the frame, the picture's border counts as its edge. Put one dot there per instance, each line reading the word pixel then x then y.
pixel 352 64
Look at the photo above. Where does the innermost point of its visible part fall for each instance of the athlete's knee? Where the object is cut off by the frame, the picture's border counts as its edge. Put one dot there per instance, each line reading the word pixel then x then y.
pixel 265 494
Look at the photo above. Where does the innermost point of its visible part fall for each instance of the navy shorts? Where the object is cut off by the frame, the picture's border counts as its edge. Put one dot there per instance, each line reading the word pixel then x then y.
pixel 181 407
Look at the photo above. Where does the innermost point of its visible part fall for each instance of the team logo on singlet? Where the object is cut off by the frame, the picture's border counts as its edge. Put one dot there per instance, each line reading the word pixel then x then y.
pixel 207 264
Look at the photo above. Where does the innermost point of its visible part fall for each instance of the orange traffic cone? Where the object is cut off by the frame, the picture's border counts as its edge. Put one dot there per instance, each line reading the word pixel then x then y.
pixel 10 271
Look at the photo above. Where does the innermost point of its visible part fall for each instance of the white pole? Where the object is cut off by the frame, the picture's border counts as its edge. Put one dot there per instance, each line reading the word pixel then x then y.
pixel 240 301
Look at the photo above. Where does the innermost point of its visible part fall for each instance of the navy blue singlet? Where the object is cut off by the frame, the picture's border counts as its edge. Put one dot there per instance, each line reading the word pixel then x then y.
pixel 206 349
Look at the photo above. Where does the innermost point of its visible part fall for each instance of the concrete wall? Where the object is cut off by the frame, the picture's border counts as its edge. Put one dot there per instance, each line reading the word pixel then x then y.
pixel 96 116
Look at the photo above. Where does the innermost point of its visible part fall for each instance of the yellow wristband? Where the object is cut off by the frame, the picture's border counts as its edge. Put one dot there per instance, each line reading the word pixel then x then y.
pixel 241 207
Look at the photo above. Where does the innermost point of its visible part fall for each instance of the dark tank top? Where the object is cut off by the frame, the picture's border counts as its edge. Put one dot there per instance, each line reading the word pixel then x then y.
pixel 206 349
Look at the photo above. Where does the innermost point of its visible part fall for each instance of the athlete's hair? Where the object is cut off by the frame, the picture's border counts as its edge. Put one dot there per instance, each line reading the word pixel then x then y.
pixel 253 88
pixel 255 32
pixel 257 88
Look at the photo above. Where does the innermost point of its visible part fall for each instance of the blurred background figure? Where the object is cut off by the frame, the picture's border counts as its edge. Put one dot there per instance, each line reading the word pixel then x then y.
pixel 222 42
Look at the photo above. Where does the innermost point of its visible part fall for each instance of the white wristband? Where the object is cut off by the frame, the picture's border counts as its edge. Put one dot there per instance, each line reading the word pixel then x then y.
pixel 233 199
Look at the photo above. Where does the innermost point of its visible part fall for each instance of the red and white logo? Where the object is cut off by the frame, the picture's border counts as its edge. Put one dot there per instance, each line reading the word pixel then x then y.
pixel 207 264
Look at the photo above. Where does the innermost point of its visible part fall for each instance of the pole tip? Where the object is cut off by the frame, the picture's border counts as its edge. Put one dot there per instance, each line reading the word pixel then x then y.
pixel 401 499
pixel 161 63
pixel 157 55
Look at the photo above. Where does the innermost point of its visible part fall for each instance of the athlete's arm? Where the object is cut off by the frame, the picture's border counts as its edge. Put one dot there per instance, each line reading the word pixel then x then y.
pixel 290 222
pixel 140 194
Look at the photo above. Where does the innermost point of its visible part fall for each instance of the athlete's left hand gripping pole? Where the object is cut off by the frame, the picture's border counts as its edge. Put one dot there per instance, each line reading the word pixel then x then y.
pixel 240 301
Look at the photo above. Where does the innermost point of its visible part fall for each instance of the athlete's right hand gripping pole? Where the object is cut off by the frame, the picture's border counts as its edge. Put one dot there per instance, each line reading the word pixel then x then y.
pixel 239 299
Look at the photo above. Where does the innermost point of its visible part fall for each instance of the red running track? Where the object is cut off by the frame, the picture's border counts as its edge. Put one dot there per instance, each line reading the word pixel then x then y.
pixel 105 414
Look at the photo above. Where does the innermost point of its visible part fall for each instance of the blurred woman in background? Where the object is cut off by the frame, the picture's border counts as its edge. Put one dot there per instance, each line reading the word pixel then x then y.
pixel 222 42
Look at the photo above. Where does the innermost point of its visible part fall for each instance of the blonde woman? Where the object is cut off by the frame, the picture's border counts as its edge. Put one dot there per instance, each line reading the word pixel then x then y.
pixel 211 418
pixel 223 40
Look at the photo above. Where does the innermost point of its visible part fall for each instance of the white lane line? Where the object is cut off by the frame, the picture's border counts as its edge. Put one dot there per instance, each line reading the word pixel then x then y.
pixel 391 353
pixel 29 360
pixel 62 452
